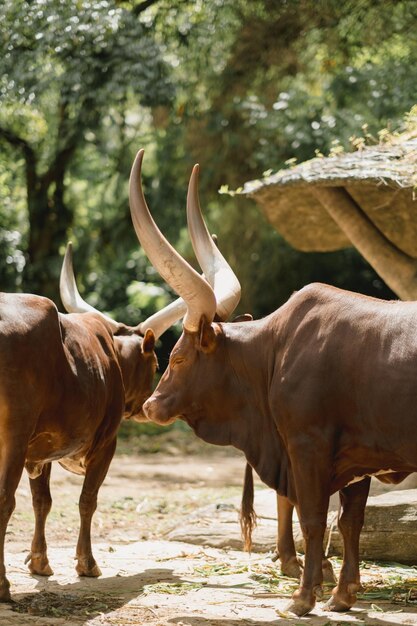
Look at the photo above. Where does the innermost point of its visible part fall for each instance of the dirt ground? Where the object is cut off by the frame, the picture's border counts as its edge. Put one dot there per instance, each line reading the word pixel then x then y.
pixel 147 579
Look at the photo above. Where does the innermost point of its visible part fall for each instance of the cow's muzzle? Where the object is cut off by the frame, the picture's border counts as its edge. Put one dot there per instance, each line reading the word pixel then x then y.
pixel 154 411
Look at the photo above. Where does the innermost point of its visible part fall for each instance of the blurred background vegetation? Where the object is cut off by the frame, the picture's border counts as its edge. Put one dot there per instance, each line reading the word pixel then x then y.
pixel 240 87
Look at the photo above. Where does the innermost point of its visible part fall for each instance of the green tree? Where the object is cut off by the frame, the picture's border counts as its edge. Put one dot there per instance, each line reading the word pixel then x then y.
pixel 67 66
pixel 264 82
pixel 240 87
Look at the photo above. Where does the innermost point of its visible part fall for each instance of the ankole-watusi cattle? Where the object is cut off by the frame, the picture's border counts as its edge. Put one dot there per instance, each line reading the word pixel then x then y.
pixel 66 381
pixel 318 395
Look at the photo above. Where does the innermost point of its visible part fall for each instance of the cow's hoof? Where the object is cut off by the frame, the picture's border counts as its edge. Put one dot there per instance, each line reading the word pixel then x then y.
pixel 6 599
pixel 342 601
pixel 39 565
pixel 302 603
pixel 298 607
pixel 328 573
pixel 88 567
pixel 292 568
pixel 339 606
pixel 5 592
pixel 40 570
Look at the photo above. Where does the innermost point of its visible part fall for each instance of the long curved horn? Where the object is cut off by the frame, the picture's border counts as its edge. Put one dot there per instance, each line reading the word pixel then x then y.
pixel 70 296
pixel 215 267
pixel 159 322
pixel 197 293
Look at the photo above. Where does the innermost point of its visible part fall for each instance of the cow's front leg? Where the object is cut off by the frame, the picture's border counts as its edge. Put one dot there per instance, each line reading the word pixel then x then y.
pixel 42 502
pixel 95 474
pixel 353 500
pixel 311 483
pixel 12 461
pixel 313 526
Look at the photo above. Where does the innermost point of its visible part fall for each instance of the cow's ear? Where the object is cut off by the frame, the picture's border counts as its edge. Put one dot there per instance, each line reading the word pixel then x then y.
pixel 207 336
pixel 148 343
pixel 245 317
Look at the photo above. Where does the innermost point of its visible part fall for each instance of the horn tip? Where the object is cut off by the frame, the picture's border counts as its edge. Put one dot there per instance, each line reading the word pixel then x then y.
pixel 193 183
pixel 68 250
pixel 137 165
pixel 140 154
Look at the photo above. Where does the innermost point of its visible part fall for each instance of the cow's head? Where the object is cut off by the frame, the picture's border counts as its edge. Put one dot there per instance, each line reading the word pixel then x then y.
pixel 199 359
pixel 134 346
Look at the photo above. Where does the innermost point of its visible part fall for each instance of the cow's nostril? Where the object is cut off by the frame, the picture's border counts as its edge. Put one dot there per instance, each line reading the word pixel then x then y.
pixel 149 408
pixel 146 406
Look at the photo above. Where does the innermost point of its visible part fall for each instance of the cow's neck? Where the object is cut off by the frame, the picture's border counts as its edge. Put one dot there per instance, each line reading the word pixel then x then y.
pixel 258 438
pixel 243 417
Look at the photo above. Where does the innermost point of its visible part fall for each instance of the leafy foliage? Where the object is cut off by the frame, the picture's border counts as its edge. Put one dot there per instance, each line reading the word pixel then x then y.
pixel 67 71
pixel 240 87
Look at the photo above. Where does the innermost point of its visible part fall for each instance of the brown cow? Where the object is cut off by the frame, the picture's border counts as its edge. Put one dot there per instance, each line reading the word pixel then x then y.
pixel 317 395
pixel 66 381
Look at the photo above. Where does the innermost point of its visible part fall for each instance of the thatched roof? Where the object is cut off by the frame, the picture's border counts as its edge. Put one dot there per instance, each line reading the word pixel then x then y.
pixel 382 180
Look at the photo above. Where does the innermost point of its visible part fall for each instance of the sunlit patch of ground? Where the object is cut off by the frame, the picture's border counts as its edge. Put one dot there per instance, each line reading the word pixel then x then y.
pixel 151 581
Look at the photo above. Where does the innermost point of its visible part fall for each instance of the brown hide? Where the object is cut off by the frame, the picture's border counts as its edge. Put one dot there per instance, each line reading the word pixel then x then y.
pixel 63 384
pixel 318 394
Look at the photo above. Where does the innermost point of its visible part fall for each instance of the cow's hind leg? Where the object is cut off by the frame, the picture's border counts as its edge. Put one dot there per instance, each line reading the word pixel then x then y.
pixel 353 500
pixel 291 564
pixel 42 502
pixel 95 474
pixel 11 468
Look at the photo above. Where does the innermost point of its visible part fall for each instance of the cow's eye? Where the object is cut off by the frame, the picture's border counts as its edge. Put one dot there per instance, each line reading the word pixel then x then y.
pixel 177 361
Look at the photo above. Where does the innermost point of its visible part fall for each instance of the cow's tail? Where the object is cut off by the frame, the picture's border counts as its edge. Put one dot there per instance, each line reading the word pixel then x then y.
pixel 247 515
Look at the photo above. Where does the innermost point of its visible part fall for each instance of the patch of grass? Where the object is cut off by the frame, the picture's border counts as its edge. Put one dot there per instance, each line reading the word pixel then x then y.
pixel 178 589
pixel 149 438
pixel 390 582
pixel 381 582
pixel 272 581
pixel 46 604
pixel 130 429
pixel 220 569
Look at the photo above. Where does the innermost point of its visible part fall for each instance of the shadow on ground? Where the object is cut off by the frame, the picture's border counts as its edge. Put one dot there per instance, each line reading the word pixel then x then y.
pixel 88 597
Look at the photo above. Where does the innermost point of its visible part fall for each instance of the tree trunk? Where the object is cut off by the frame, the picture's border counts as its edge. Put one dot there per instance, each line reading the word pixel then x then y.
pixel 49 220
pixel 396 268
pixel 49 216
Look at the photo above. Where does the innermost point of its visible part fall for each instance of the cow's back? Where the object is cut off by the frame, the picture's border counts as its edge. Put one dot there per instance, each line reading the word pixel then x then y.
pixel 348 372
pixel 338 343
pixel 30 348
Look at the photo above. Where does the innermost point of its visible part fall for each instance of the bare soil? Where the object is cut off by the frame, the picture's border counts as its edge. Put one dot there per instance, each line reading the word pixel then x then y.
pixel 149 580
